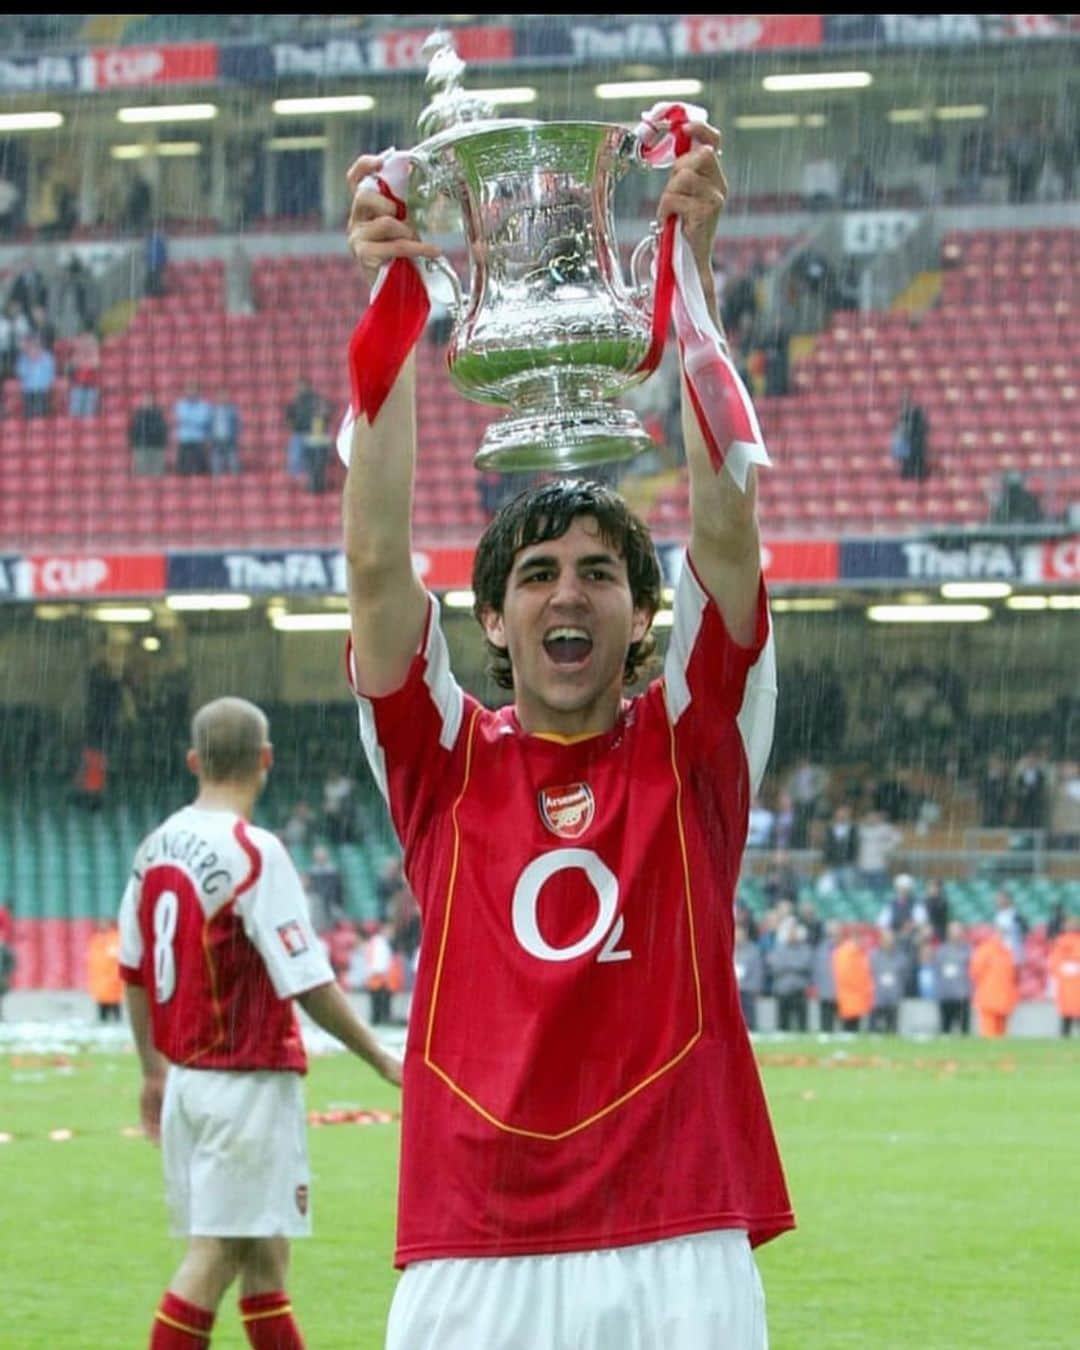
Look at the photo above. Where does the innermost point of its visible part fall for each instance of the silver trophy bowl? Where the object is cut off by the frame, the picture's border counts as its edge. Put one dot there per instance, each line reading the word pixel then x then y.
pixel 546 325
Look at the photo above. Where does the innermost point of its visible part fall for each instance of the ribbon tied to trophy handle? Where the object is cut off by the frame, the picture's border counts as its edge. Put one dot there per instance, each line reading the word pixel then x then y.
pixel 722 404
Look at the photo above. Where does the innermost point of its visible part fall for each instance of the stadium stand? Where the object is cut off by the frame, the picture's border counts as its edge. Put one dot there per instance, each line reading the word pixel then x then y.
pixel 994 366
pixel 68 481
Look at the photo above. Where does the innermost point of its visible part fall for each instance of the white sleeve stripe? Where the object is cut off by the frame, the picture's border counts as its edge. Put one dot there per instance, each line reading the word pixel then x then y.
pixel 757 716
pixel 369 739
pixel 445 691
pixel 690 602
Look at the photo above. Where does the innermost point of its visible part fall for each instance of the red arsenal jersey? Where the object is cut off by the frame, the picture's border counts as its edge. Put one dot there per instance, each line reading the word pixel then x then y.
pixel 578 1072
pixel 215 924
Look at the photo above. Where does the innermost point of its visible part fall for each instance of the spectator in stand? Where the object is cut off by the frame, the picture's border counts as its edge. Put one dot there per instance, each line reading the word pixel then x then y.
pixel 784 823
pixel 995 792
pixel 381 970
pixel 339 807
pixel 84 374
pixel 811 921
pixel 157 261
pixel 750 974
pixel 138 205
pixel 858 186
pixel 781 882
pixel 298 826
pixel 929 157
pixel 10 197
pixel 972 162
pixel 298 417
pixel 904 906
pixel 791 964
pixel 761 825
pixel 910 440
pixel 1065 807
pixel 14 330
pixel 43 327
pixel 776 345
pixel 389 883
pixel 739 306
pixel 889 969
pixel 878 841
pixel 936 905
pixel 1065 972
pixel 1008 923
pixel 807 784
pixel 326 887
pixel 192 420
pixel 103 970
pixel 35 369
pixel 1030 791
pixel 854 981
pixel 840 850
pixel 993 980
pixel 1015 503
pixel 404 917
pixel 1024 153
pixel 318 443
pixel 820 184
pixel 29 289
pixel 148 437
pixel 952 981
pixel 76 304
pixel 823 975
pixel 224 436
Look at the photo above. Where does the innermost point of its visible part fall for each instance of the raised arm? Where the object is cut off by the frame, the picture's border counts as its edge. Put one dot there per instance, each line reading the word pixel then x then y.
pixel 387 603
pixel 724 542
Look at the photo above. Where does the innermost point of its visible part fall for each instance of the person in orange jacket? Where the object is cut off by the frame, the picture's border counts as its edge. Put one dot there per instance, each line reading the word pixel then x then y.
pixel 854 981
pixel 993 979
pixel 1065 968
pixel 103 970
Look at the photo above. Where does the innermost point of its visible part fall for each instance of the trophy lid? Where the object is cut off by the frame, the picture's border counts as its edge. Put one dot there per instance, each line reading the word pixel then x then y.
pixel 451 104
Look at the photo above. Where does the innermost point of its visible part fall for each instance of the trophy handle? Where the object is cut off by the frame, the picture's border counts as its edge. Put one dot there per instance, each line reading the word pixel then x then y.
pixel 442 267
pixel 641 263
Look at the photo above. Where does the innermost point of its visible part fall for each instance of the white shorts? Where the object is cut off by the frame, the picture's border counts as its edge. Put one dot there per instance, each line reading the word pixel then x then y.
pixel 701 1292
pixel 234 1146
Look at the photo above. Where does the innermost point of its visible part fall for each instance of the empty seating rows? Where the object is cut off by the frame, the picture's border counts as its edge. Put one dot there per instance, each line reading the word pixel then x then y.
pixel 997 376
pixel 995 372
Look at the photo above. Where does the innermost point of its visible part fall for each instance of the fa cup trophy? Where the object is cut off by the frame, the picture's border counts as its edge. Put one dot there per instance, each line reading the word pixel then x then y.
pixel 546 326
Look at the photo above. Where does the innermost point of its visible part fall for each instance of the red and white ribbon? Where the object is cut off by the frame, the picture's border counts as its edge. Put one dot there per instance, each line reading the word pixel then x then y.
pixel 394 319
pixel 724 408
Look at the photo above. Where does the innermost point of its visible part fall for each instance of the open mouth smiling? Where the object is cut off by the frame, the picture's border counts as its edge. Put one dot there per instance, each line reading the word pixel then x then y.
pixel 567 646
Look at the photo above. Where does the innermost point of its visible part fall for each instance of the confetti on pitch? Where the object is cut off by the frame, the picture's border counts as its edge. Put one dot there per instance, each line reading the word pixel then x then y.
pixel 352 1117
pixel 60 1136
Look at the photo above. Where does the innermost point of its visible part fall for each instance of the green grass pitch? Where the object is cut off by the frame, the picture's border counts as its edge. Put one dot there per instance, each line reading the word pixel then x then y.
pixel 935 1185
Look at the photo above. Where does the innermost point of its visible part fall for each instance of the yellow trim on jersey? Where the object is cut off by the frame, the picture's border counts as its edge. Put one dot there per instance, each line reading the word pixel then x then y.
pixel 450 886
pixel 182 1326
pixel 558 739
pixel 686 881
pixel 638 1087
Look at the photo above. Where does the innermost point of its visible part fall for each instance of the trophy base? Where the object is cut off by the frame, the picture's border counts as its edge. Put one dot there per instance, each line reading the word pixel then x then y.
pixel 562 441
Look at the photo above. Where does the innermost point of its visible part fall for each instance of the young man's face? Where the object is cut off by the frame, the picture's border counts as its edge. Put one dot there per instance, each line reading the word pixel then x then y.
pixel 567 621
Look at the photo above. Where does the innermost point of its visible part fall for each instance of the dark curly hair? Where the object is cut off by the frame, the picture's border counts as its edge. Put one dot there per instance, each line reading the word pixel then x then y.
pixel 547 512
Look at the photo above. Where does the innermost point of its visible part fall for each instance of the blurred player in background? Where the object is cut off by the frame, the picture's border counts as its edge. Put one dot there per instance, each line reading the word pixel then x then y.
pixel 582 1102
pixel 216 942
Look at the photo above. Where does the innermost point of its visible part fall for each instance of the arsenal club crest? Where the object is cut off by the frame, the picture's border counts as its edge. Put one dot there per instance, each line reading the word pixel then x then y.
pixel 301 1199
pixel 567 811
